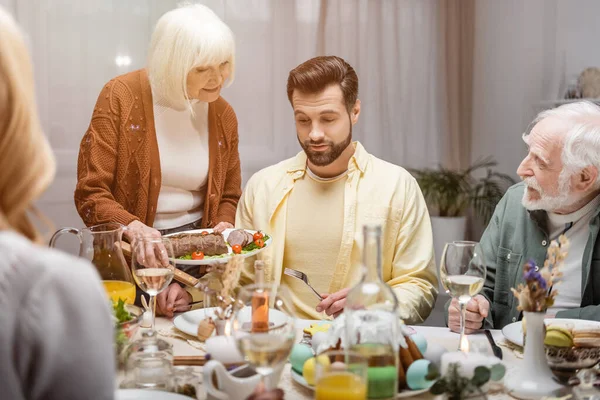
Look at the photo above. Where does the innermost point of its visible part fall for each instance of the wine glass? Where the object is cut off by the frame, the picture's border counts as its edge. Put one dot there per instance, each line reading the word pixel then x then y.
pixel 153 266
pixel 462 273
pixel 263 326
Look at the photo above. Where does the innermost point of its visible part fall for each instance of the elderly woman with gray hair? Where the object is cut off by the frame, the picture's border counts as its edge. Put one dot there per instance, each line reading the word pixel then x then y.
pixel 56 332
pixel 161 153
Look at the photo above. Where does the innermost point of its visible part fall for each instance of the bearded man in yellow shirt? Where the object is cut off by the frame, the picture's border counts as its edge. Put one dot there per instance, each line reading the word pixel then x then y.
pixel 314 205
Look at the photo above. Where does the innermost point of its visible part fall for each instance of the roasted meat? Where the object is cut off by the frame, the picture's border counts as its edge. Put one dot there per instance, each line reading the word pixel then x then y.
pixel 212 244
pixel 241 237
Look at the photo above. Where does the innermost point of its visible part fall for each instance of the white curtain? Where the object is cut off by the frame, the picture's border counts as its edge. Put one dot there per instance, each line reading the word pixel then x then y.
pixel 78 45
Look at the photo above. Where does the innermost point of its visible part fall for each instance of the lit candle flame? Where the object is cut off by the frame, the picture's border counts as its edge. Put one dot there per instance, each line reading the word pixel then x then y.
pixel 227 329
pixel 464 344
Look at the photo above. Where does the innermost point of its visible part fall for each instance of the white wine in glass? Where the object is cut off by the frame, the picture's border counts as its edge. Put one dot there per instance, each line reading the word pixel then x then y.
pixel 265 349
pixel 153 280
pixel 152 265
pixel 462 273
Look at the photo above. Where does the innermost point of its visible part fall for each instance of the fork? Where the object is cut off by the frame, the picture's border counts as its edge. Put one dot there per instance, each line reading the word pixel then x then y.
pixel 302 276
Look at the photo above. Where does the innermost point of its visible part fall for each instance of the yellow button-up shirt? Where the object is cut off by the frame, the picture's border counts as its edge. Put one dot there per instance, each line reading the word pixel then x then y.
pixel 376 192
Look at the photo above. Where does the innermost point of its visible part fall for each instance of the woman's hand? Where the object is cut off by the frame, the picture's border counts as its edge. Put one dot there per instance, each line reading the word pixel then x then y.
pixel 152 254
pixel 136 228
pixel 221 226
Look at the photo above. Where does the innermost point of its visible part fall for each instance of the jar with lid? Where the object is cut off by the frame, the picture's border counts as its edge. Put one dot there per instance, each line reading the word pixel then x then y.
pixel 149 363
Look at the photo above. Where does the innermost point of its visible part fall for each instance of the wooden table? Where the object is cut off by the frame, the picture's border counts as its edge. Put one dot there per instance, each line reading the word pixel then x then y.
pixel 294 391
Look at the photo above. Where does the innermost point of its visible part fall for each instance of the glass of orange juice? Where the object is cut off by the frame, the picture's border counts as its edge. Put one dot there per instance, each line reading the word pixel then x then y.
pixel 341 375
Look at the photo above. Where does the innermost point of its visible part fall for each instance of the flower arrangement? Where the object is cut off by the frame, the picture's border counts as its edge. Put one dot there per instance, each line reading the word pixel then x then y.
pixel 537 294
pixel 225 302
pixel 457 386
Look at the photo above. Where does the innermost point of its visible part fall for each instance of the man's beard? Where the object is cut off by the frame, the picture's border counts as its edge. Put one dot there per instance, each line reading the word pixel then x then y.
pixel 324 158
pixel 548 202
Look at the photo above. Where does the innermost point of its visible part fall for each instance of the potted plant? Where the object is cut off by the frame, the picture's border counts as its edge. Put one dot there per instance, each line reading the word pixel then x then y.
pixel 451 193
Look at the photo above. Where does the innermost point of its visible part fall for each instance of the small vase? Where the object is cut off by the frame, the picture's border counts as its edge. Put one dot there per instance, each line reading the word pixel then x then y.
pixel 533 379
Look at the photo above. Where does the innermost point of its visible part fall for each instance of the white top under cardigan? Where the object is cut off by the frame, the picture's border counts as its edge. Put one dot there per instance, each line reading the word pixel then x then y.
pixel 182 137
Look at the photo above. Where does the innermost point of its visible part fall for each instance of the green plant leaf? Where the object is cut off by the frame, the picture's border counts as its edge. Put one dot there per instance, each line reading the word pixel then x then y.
pixel 481 376
pixel 439 387
pixel 432 372
pixel 497 372
pixel 449 193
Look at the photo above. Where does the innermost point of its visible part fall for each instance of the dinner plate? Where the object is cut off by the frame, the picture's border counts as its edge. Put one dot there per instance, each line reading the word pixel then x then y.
pixel 188 322
pixel 514 332
pixel 400 395
pixel 208 260
pixel 140 394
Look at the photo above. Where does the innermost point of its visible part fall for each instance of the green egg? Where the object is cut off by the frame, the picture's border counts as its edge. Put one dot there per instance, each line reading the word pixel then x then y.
pixel 416 373
pixel 420 341
pixel 300 353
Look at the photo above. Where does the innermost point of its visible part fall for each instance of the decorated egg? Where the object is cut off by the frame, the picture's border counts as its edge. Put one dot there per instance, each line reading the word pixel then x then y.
pixel 308 370
pixel 317 339
pixel 434 353
pixel 416 375
pixel 420 341
pixel 338 366
pixel 300 353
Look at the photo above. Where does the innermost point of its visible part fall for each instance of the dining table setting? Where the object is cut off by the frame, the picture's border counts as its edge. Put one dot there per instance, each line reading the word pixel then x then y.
pixel 243 340
pixel 189 353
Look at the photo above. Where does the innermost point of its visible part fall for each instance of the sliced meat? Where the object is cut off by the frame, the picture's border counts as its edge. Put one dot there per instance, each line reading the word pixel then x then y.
pixel 241 237
pixel 212 244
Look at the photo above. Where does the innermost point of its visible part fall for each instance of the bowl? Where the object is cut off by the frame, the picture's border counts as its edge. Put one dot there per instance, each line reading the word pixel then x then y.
pixel 566 361
pixel 126 330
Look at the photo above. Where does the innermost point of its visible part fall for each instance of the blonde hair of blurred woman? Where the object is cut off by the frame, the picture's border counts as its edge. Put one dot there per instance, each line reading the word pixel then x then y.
pixel 187 37
pixel 27 165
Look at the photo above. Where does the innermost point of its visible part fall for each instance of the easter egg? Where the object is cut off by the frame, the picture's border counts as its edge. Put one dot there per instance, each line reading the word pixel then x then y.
pixel 338 366
pixel 308 370
pixel 300 353
pixel 416 375
pixel 420 341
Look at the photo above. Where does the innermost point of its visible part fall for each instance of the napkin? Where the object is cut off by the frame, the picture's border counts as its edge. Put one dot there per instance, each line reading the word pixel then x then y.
pixel 516 349
pixel 175 333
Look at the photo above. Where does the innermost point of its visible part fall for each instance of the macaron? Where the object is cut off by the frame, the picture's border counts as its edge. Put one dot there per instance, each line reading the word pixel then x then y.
pixel 586 337
pixel 558 336
pixel 318 327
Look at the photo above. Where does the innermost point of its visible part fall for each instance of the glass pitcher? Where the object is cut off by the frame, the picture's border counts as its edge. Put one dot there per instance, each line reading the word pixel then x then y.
pixel 101 245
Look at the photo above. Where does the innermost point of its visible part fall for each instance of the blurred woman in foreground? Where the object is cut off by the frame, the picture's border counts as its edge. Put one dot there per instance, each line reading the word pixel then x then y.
pixel 56 333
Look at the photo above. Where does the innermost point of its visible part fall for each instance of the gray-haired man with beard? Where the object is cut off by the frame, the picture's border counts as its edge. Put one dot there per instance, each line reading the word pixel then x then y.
pixel 315 204
pixel 560 193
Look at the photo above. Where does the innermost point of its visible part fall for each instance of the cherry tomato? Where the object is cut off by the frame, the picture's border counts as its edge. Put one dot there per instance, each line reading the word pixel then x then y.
pixel 204 233
pixel 258 235
pixel 237 249
pixel 197 255
pixel 260 243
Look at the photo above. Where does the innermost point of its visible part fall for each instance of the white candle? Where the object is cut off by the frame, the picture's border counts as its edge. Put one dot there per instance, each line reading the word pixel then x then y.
pixel 467 362
pixel 223 349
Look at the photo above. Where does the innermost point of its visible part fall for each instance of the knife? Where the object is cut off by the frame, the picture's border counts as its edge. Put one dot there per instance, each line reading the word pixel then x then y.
pixel 179 275
pixel 495 348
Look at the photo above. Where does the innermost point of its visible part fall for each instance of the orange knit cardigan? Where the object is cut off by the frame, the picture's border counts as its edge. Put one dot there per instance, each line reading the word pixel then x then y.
pixel 118 169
